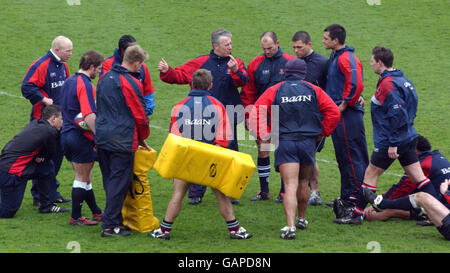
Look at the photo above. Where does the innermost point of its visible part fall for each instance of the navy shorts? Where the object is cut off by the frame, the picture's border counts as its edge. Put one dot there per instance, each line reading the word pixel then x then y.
pixel 298 151
pixel 444 229
pixel 407 156
pixel 78 148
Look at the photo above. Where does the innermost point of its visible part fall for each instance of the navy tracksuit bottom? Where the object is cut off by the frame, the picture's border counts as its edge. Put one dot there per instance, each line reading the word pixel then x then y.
pixel 349 141
pixel 12 188
pixel 117 171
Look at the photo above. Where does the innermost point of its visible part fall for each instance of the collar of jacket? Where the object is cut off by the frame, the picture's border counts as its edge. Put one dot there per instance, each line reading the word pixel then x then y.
pixel 294 77
pixel 53 56
pixel 117 56
pixel 342 50
pixel 199 92
pixel 213 55
pixel 393 73
pixel 309 56
pixel 277 55
pixel 83 75
pixel 118 68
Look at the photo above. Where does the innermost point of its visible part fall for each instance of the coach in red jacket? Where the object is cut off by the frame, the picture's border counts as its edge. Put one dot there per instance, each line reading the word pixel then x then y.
pixel 228 73
pixel 121 125
pixel 306 114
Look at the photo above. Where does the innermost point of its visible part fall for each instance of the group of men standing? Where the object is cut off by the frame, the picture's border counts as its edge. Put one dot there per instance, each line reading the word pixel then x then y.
pixel 314 97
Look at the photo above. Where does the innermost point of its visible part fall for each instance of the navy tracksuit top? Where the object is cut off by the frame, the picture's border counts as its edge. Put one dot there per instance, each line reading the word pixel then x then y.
pixel 393 110
pixel 44 78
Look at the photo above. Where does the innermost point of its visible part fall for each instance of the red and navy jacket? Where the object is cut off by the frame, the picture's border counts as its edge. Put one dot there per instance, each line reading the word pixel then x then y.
pixel 305 110
pixel 316 69
pixel 143 76
pixel 263 73
pixel 225 81
pixel 201 117
pixel 345 77
pixel 78 97
pixel 393 110
pixel 121 119
pixel 37 139
pixel 44 78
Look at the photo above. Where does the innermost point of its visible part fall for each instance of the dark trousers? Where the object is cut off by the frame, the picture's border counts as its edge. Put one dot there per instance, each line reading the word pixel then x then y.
pixel 117 170
pixel 12 189
pixel 53 186
pixel 349 141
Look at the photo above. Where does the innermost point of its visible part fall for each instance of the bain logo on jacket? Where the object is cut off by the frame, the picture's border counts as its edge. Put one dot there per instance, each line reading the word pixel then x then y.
pixel 56 84
pixel 197 122
pixel 296 98
pixel 445 170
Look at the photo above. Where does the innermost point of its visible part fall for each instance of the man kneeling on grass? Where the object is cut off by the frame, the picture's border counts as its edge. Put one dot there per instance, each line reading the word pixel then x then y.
pixel 28 156
pixel 220 132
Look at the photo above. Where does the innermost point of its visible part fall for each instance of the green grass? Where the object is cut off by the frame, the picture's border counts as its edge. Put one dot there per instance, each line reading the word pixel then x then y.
pixel 417 32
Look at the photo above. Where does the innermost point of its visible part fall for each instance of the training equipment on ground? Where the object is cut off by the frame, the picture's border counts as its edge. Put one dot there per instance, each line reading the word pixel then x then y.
pixel 205 164
pixel 79 120
pixel 137 210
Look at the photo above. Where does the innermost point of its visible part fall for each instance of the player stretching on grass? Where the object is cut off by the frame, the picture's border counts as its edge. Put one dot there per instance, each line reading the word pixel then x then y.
pixel 438 213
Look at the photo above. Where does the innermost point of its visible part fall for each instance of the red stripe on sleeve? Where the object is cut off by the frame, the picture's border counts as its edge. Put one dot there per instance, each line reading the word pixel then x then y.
pixel 174 128
pixel 353 85
pixel 384 87
pixel 136 107
pixel 147 83
pixel 183 73
pixel 260 112
pixel 223 129
pixel 86 100
pixel 249 91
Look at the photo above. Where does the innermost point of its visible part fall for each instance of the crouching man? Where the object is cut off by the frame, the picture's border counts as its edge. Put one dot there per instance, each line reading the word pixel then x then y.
pixel 28 156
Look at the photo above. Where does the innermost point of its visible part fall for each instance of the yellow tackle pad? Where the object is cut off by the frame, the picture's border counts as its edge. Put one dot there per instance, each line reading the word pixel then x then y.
pixel 205 164
pixel 137 210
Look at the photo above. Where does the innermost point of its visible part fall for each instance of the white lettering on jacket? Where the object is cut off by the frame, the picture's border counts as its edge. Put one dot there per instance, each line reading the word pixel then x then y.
pixel 296 98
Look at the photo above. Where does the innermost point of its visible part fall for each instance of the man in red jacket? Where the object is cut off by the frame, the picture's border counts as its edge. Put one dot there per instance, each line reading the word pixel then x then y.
pixel 228 73
pixel 306 114
pixel 264 71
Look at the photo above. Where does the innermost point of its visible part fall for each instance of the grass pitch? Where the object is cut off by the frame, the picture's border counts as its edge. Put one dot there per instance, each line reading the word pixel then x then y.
pixel 178 31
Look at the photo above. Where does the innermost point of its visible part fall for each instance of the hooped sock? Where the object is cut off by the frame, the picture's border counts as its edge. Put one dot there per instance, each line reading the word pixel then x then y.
pixel 263 173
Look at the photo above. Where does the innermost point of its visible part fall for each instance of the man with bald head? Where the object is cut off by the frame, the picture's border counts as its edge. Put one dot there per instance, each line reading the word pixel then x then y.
pixel 264 71
pixel 42 86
